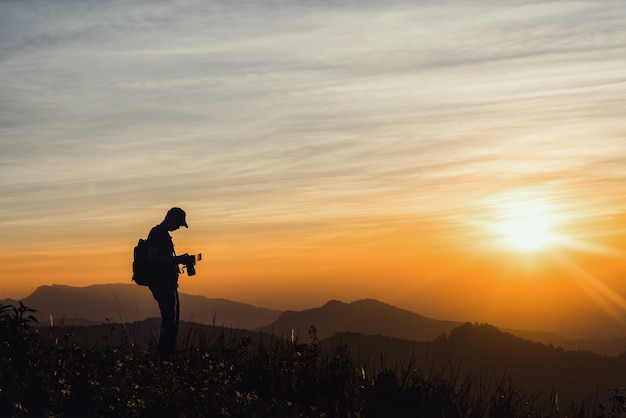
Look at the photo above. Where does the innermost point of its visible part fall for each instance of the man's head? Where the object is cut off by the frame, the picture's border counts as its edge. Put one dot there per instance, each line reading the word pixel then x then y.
pixel 175 218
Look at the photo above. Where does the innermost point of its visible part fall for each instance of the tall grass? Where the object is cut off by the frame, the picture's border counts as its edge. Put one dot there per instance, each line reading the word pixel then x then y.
pixel 220 373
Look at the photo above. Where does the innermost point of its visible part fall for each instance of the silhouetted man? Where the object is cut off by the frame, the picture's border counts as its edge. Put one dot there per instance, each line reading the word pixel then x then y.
pixel 164 283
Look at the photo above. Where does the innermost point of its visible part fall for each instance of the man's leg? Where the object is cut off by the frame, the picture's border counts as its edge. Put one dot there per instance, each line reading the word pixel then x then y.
pixel 168 305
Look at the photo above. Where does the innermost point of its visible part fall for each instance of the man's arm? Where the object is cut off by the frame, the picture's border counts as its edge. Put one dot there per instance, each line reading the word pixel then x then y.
pixel 155 257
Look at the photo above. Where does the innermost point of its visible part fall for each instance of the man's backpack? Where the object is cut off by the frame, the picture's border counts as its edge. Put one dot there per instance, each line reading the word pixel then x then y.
pixel 141 265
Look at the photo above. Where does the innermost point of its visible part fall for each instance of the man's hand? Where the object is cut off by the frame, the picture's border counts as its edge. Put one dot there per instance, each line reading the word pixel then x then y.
pixel 185 259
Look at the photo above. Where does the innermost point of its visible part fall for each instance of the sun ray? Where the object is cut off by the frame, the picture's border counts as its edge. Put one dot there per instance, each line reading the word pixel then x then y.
pixel 605 297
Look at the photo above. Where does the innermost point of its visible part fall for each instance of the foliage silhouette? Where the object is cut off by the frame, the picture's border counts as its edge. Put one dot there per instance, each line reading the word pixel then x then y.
pixel 224 374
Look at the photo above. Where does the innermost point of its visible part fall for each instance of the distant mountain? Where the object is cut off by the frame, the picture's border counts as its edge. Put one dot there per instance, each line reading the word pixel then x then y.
pixel 129 303
pixel 368 316
pixel 597 345
pixel 492 357
pixel 96 304
pixel 372 317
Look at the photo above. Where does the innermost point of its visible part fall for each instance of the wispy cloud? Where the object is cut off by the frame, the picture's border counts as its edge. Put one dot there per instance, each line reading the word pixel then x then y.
pixel 303 110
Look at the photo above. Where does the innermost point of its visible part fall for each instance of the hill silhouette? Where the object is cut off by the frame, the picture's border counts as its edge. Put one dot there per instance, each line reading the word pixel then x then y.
pixel 128 303
pixel 95 304
pixel 372 317
pixel 485 352
pixel 613 347
pixel 480 352
pixel 381 335
pixel 365 316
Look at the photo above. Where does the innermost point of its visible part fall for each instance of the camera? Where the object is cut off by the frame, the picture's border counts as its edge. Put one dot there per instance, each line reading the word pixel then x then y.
pixel 190 263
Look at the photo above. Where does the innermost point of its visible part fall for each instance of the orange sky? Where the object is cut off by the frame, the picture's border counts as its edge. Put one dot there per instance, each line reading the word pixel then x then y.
pixel 462 162
pixel 446 269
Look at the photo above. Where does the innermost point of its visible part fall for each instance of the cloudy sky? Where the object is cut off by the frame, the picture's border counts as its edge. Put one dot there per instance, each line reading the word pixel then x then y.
pixel 322 150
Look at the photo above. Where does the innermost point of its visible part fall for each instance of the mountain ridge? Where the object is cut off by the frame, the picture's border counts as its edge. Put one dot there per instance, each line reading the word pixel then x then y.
pixel 119 302
pixel 364 316
pixel 486 351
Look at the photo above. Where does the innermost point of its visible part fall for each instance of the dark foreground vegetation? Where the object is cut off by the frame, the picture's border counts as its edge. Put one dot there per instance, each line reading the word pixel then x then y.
pixel 225 374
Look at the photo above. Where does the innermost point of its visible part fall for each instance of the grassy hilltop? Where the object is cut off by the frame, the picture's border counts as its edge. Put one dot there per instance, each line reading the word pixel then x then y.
pixel 224 372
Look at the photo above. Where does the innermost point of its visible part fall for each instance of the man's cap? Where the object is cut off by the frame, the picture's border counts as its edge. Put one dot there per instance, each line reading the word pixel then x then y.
pixel 178 215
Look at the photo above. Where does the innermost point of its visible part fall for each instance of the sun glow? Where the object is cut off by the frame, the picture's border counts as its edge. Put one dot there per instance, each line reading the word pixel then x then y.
pixel 527 225
pixel 528 232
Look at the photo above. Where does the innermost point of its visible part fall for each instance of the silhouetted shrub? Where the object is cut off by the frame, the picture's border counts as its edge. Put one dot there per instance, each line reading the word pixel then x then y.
pixel 220 374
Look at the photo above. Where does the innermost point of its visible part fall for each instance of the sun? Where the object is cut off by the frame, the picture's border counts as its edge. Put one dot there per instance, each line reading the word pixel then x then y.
pixel 526 225
pixel 528 233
